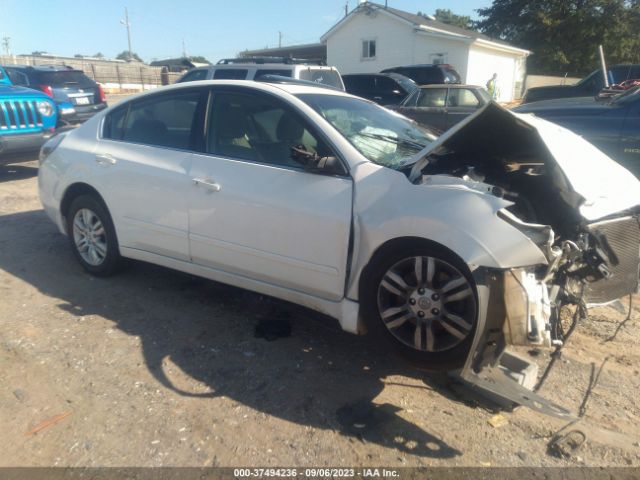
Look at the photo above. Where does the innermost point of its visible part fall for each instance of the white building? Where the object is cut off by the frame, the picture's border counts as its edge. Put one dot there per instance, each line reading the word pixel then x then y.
pixel 374 37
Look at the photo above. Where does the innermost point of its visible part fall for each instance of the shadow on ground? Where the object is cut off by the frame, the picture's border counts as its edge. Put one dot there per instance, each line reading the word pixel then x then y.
pixel 318 376
pixel 12 172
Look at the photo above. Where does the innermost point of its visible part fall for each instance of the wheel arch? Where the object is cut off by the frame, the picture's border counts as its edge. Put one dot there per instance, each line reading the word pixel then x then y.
pixel 73 191
pixel 404 242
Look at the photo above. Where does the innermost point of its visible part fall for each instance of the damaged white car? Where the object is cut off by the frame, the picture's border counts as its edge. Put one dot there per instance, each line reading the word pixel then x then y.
pixel 447 249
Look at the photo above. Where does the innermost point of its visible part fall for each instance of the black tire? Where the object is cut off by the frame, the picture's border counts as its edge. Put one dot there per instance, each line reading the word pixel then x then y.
pixel 111 261
pixel 382 336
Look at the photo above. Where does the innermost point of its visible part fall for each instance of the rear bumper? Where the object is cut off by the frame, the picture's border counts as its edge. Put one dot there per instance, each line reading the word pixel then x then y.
pixel 79 114
pixel 18 143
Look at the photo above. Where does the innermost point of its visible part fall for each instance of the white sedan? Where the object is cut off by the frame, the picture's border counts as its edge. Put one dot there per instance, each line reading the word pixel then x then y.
pixel 448 249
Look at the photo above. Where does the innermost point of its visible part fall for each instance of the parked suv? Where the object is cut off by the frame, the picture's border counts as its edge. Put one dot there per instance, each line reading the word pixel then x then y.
pixel 427 74
pixel 382 88
pixel 589 86
pixel 27 118
pixel 76 96
pixel 253 68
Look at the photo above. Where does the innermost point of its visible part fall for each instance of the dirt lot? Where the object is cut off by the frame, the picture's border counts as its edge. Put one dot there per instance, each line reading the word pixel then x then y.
pixel 154 367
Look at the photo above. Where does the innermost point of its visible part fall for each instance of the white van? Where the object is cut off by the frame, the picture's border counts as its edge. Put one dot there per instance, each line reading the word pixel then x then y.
pixel 253 68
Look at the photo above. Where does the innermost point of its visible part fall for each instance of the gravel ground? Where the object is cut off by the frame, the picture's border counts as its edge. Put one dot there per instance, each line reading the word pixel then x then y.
pixel 153 367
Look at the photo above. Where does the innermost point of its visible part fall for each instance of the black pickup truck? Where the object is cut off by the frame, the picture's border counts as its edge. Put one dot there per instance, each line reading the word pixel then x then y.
pixel 611 124
pixel 588 86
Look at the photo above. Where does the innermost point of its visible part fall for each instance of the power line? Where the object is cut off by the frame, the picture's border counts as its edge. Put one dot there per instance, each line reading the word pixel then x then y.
pixel 6 44
pixel 127 24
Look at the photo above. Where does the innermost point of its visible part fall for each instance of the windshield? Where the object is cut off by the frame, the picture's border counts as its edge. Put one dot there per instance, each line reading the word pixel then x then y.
pixel 65 78
pixel 382 136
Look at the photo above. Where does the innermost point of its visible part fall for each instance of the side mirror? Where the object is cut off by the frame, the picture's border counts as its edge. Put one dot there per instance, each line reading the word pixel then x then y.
pixel 313 162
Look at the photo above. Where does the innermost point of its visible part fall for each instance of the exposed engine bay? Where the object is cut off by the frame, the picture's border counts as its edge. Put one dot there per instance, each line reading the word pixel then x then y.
pixel 589 262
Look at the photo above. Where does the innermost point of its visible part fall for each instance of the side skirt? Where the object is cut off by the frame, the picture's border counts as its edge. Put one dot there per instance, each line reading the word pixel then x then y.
pixel 345 311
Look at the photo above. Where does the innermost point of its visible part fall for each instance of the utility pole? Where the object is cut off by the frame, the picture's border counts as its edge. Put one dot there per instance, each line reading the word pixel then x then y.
pixel 126 23
pixel 6 44
pixel 184 49
pixel 279 39
pixel 346 8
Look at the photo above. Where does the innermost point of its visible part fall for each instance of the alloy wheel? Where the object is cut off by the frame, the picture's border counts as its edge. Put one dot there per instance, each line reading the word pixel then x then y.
pixel 426 303
pixel 89 236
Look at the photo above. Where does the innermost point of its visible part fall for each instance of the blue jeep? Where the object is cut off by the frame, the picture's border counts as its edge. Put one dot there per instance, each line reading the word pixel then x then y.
pixel 27 118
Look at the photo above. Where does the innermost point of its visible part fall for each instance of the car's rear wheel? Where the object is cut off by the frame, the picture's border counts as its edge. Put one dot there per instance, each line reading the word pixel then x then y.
pixel 92 236
pixel 422 301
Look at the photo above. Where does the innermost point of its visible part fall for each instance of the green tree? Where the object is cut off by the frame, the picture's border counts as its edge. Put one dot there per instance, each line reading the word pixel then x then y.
pixel 199 59
pixel 125 56
pixel 78 55
pixel 98 55
pixel 564 34
pixel 450 18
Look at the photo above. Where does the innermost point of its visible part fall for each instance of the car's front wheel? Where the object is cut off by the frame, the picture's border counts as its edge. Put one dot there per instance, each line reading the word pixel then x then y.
pixel 92 236
pixel 422 301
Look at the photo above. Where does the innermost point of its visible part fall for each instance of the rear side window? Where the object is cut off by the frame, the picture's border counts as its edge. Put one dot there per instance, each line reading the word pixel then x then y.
pixel 230 74
pixel 272 71
pixel 65 78
pixel 423 76
pixel 432 97
pixel 165 121
pixel 388 86
pixel 326 77
pixel 194 75
pixel 451 76
pixel 462 97
pixel 359 82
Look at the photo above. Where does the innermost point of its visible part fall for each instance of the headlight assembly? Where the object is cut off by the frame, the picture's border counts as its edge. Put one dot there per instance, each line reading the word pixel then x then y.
pixel 45 108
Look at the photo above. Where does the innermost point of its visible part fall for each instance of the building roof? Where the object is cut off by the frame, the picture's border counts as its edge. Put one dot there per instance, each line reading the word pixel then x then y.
pixel 309 51
pixel 427 24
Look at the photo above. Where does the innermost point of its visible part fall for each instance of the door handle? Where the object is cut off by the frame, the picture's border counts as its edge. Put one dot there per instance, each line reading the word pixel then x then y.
pixel 105 159
pixel 207 183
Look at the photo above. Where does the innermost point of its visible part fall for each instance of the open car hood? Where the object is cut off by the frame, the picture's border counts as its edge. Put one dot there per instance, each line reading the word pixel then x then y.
pixel 587 179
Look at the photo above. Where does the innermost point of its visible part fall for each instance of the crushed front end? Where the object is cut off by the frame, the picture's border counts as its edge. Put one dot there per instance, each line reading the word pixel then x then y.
pixel 581 209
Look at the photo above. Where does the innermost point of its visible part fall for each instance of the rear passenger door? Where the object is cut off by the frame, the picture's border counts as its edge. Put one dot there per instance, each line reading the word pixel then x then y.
pixel 143 158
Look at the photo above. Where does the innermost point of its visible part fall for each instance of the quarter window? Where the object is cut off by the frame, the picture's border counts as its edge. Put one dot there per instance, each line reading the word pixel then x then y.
pixel 258 128
pixel 368 49
pixel 164 121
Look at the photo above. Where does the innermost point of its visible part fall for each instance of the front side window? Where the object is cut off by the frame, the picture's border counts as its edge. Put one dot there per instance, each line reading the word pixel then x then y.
pixel 380 135
pixel 162 121
pixel 432 97
pixel 254 127
pixel 368 49
pixel 462 97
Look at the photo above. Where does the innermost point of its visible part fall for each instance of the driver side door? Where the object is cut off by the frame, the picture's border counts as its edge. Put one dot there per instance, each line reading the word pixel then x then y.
pixel 256 213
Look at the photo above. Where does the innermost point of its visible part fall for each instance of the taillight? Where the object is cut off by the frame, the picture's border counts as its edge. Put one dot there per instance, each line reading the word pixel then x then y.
pixel 103 97
pixel 46 89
